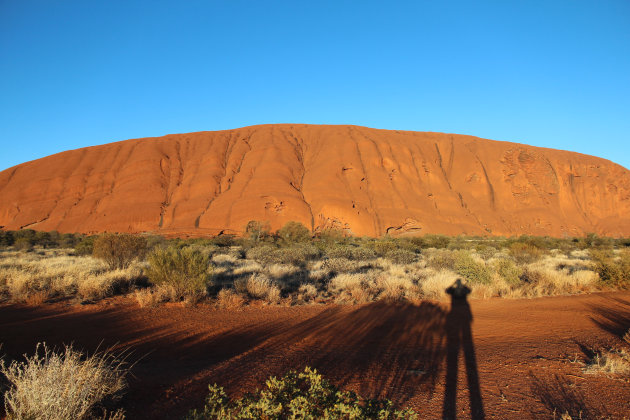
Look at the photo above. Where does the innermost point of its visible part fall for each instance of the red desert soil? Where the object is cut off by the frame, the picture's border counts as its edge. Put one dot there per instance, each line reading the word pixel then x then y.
pixel 519 362
pixel 367 181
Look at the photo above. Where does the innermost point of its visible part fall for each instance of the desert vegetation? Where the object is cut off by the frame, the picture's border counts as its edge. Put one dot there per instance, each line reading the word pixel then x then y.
pixel 292 266
pixel 64 384
pixel 303 395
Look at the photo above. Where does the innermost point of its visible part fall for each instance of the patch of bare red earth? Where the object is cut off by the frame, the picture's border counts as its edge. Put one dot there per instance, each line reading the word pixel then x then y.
pixel 519 362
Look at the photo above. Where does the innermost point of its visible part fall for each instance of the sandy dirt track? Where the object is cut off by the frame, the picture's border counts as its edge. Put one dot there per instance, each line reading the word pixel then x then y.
pixel 521 359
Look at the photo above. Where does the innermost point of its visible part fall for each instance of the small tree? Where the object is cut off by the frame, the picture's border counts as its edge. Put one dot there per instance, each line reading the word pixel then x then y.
pixel 294 232
pixel 256 230
pixel 119 250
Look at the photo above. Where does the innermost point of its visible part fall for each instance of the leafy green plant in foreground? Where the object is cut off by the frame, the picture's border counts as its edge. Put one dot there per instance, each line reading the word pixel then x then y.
pixel 304 395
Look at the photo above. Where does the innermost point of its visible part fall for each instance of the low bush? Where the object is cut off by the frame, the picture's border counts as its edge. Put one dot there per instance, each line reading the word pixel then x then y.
pixel 294 232
pixel 613 271
pixel 259 286
pixel 296 254
pixel 476 272
pixel 23 244
pixel 442 260
pixel 257 231
pixel 64 385
pixel 305 395
pixel 525 253
pixel 187 271
pixel 119 250
pixel 431 241
pixel 382 247
pixel 229 299
pixel 307 292
pixel 401 256
pixel 85 246
pixel 147 298
pixel 509 271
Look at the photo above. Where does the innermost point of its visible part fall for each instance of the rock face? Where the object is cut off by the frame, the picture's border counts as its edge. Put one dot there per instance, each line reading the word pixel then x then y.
pixel 367 181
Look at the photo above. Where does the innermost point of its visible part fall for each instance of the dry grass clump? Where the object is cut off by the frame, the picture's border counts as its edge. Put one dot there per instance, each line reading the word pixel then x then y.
pixel 97 287
pixel 224 259
pixel 554 275
pixel 63 385
pixel 259 286
pixel 281 271
pixel 435 284
pixel 151 297
pixel 614 362
pixel 34 278
pixel 392 284
pixel 352 288
pixel 307 293
pixel 229 299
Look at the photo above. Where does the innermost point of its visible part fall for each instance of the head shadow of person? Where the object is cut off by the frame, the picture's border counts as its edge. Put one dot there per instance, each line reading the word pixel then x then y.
pixel 459 337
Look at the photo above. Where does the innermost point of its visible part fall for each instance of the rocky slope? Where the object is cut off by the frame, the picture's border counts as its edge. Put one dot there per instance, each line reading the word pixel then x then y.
pixel 367 181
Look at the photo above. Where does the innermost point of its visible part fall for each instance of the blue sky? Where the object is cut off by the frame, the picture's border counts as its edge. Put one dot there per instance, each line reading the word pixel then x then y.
pixel 546 73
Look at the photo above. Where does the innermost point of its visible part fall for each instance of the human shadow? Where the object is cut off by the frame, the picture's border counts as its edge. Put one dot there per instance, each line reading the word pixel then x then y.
pixel 459 338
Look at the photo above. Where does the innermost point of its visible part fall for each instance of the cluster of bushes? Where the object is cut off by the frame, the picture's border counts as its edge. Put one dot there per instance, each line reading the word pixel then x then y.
pixel 26 239
pixel 294 266
pixel 304 395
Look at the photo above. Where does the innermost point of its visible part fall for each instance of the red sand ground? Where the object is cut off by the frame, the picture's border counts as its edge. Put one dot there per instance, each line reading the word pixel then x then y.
pixel 524 365
pixel 367 181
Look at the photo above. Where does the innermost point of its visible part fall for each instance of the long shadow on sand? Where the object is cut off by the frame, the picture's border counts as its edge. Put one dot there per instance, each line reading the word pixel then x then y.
pixel 382 350
pixel 163 355
pixel 613 315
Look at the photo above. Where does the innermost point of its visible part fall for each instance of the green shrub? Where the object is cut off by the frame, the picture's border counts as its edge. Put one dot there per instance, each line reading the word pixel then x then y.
pixel 473 271
pixel 296 254
pixel 431 241
pixel 23 244
pixel 304 395
pixel 401 256
pixel 362 253
pixel 119 250
pixel 383 246
pixel 294 232
pixel 613 271
pixel 510 272
pixel 185 270
pixel 339 251
pixel 6 238
pixel 85 246
pixel 331 235
pixel 444 260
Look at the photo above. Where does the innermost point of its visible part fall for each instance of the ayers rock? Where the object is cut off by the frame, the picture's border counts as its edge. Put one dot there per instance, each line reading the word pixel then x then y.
pixel 367 181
